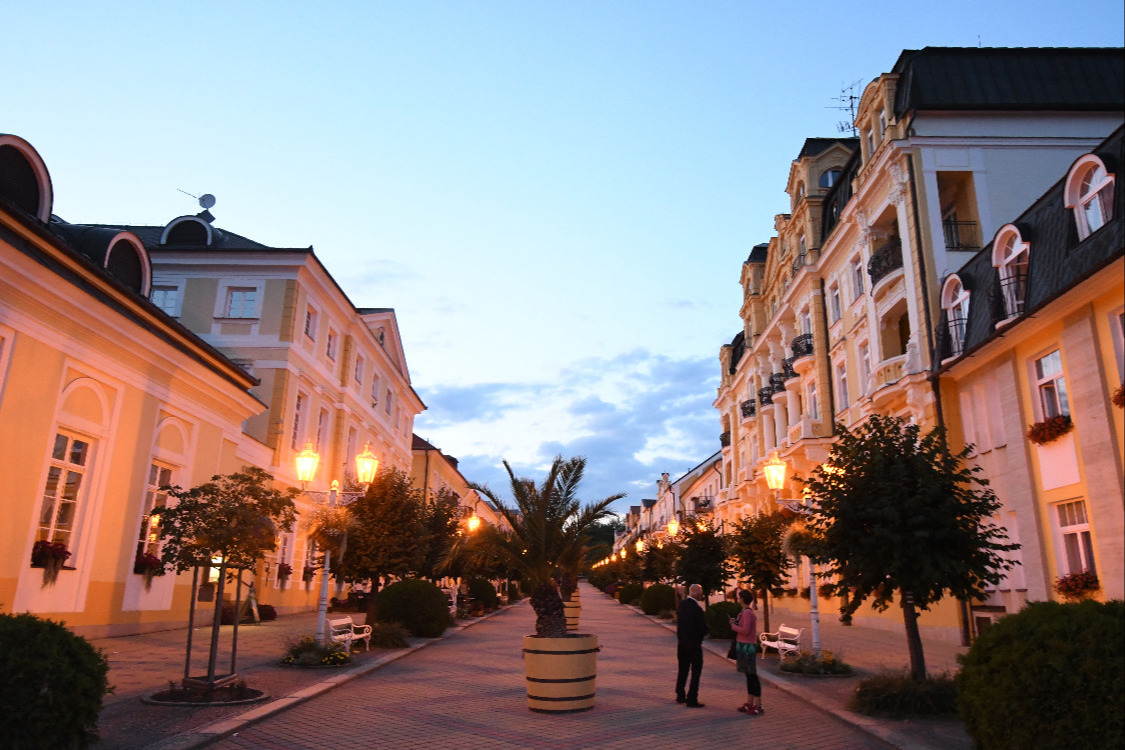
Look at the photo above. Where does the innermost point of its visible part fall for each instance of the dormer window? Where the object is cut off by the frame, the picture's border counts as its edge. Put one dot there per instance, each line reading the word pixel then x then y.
pixel 1089 193
pixel 828 178
pixel 186 230
pixel 1010 256
pixel 128 262
pixel 955 302
pixel 23 177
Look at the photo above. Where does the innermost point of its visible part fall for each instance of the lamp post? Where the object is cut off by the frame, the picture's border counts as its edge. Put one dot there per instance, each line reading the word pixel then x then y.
pixel 775 469
pixel 366 464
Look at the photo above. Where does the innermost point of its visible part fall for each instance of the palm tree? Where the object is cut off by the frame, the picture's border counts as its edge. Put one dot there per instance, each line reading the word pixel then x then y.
pixel 544 536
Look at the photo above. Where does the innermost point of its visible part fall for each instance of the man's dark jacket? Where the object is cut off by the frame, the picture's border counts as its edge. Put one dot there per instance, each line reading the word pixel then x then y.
pixel 691 626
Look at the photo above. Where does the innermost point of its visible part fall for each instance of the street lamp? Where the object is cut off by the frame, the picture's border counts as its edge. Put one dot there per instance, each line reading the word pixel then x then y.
pixel 673 527
pixel 640 546
pixel 366 464
pixel 775 469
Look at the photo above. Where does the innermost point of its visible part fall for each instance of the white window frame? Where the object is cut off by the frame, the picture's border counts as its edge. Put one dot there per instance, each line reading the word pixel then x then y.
pixel 321 429
pixel 863 359
pixel 375 390
pixel 331 344
pixel 298 418
pixel 167 297
pixel 1092 204
pixel 1051 398
pixel 955 302
pixel 1117 333
pixel 311 321
pixel 236 306
pixel 358 370
pixel 160 474
pixel 388 403
pixel 857 273
pixel 1010 256
pixel 835 306
pixel 284 554
pixel 1074 543
pixel 840 383
pixel 50 507
pixel 812 403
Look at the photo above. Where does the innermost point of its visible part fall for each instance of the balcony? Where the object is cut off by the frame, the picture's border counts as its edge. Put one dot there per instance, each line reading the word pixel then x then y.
pixel 765 396
pixel 883 261
pixel 749 408
pixel 802 346
pixel 890 371
pixel 798 263
pixel 787 368
pixel 1007 294
pixel 777 382
pixel 724 439
pixel 961 235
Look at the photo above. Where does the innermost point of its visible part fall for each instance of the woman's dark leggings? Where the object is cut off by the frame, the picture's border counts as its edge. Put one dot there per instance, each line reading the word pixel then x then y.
pixel 753 685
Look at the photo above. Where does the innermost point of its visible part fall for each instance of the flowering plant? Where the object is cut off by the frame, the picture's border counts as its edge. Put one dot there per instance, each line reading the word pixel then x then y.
pixel 308 573
pixel 284 570
pixel 46 553
pixel 1119 397
pixel 146 563
pixel 1050 429
pixel 1077 585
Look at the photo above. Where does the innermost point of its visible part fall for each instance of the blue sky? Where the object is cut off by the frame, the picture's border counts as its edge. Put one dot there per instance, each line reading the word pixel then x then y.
pixel 555 197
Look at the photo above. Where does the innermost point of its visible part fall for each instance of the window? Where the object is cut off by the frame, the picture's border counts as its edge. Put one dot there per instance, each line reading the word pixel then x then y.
pixel 806 321
pixel 283 553
pixel 857 278
pixel 63 489
pixel 1051 385
pixel 834 303
pixel 1089 193
pixel 358 373
pixel 321 428
pixel 811 402
pixel 374 390
pixel 1076 551
pixel 883 122
pixel 242 302
pixel 389 401
pixel 955 302
pixel 167 298
pixel 148 538
pixel 841 386
pixel 869 142
pixel 1009 256
pixel 310 323
pixel 1117 331
pixel 330 345
pixel 828 177
pixel 298 417
pixel 311 553
pixel 863 354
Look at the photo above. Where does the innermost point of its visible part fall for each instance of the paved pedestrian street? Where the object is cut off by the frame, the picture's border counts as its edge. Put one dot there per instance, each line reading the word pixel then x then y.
pixel 468 691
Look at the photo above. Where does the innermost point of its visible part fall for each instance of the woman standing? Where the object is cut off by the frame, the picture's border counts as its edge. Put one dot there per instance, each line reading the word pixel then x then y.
pixel 745 627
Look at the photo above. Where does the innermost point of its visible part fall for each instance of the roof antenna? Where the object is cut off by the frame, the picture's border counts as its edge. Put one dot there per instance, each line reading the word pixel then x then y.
pixel 206 201
pixel 848 100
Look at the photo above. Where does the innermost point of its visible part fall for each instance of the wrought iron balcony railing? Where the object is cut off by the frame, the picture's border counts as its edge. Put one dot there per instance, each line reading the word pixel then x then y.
pixel 749 408
pixel 787 368
pixel 724 439
pixel 777 382
pixel 798 263
pixel 765 396
pixel 803 346
pixel 883 261
pixel 961 235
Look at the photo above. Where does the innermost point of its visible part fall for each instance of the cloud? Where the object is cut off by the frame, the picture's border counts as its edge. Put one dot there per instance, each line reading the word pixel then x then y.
pixel 633 416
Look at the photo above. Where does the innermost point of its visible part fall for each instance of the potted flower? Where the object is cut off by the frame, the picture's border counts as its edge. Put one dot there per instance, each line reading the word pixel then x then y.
pixel 308 573
pixel 544 537
pixel 148 565
pixel 1119 397
pixel 1077 586
pixel 1050 429
pixel 284 570
pixel 50 556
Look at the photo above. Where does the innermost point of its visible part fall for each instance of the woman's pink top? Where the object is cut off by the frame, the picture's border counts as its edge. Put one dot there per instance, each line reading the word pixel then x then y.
pixel 745 627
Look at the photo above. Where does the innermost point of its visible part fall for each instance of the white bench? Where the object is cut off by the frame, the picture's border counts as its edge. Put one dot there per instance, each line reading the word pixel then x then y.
pixel 786 641
pixel 345 632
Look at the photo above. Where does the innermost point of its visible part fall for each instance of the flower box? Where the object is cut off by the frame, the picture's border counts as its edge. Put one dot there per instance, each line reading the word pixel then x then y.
pixel 1050 429
pixel 1077 586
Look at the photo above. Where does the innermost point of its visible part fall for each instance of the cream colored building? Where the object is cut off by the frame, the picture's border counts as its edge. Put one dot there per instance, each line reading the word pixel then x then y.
pixel 103 398
pixel 434 472
pixel 840 306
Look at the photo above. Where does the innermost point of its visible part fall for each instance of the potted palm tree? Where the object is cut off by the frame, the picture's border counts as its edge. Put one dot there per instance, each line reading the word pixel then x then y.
pixel 543 536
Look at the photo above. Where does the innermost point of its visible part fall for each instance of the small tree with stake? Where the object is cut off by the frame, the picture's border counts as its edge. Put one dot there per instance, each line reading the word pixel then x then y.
pixel 703 557
pixel 755 543
pixel 896 513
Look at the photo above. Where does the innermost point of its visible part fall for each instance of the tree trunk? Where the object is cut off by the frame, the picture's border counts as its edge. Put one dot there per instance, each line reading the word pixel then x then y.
pixel 913 638
pixel 766 611
pixel 369 618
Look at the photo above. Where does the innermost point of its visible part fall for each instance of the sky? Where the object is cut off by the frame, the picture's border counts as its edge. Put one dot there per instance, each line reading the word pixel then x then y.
pixel 555 197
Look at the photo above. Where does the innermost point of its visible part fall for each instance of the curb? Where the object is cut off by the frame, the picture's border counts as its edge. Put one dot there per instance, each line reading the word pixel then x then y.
pixel 198 738
pixel 866 724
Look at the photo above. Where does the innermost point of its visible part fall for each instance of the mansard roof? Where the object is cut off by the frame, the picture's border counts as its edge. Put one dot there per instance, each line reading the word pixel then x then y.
pixel 1020 78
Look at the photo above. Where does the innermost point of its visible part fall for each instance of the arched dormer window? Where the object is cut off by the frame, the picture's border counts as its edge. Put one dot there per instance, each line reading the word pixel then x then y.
pixel 955 302
pixel 186 230
pixel 1089 193
pixel 24 179
pixel 1010 256
pixel 829 176
pixel 127 261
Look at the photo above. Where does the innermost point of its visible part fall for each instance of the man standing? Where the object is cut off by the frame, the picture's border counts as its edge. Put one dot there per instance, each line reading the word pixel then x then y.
pixel 691 628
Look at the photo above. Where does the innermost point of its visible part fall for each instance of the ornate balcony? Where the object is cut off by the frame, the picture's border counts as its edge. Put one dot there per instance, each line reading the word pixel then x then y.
pixel 1007 296
pixel 777 382
pixel 961 235
pixel 787 368
pixel 724 439
pixel 798 263
pixel 883 261
pixel 803 346
pixel 749 408
pixel 765 396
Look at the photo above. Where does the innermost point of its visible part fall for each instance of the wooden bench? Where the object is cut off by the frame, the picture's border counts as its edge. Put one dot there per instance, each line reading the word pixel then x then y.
pixel 786 641
pixel 345 632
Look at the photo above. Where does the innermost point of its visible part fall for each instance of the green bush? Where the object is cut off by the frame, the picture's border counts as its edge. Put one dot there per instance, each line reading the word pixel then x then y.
pixel 718 619
pixel 51 685
pixel 806 662
pixel 1050 675
pixel 657 598
pixel 484 592
pixel 514 594
pixel 631 593
pixel 389 635
pixel 306 652
pixel 417 605
pixel 897 695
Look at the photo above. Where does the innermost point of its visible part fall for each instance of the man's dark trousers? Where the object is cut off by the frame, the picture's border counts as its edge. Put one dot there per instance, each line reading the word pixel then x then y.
pixel 691 628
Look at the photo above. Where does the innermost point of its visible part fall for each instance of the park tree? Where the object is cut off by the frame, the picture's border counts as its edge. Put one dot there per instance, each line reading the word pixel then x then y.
pixel 600 539
pixel 441 517
pixel 755 545
pixel 702 557
pixel 896 514
pixel 386 534
pixel 658 562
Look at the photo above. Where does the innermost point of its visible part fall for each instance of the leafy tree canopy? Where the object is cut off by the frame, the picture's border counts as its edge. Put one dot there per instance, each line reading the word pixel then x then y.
pixel 756 547
pixel 387 535
pixel 703 556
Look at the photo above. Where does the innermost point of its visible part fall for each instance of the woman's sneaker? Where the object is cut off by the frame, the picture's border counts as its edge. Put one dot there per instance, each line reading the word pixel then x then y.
pixel 757 710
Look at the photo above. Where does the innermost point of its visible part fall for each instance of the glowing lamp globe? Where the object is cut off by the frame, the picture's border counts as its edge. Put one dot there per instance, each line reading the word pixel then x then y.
pixel 307 461
pixel 775 471
pixel 673 527
pixel 366 465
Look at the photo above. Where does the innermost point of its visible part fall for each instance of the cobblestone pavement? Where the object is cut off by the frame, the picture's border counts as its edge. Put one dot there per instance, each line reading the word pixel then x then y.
pixel 468 691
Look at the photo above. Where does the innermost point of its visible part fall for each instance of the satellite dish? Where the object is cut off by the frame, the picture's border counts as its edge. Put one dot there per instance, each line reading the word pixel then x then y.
pixel 206 201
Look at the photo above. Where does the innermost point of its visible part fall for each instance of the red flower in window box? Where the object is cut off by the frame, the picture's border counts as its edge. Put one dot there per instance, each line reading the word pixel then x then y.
pixel 147 563
pixel 1050 429
pixel 284 570
pixel 1077 585
pixel 1119 397
pixel 50 556
pixel 309 573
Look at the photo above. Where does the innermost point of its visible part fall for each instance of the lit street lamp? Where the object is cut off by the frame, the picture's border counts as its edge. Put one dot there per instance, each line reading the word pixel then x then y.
pixel 366 464
pixel 775 469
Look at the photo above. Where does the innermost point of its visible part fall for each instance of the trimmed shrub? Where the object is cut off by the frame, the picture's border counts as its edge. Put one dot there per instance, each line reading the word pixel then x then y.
pixel 1050 675
pixel 657 598
pixel 631 593
pixel 484 592
pixel 51 685
pixel 267 612
pixel 807 663
pixel 514 592
pixel 718 619
pixel 388 635
pixel 417 605
pixel 306 652
pixel 897 695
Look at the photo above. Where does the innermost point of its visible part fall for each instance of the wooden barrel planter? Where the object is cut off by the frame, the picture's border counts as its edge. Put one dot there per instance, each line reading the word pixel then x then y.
pixel 560 673
pixel 572 610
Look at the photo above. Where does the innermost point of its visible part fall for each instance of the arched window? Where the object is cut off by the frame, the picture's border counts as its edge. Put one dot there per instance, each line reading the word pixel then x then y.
pixel 955 302
pixel 1010 255
pixel 1089 193
pixel 829 176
